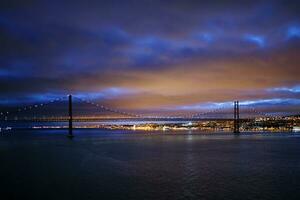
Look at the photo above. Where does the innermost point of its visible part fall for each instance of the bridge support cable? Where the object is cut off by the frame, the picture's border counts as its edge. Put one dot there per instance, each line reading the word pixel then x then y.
pixel 14 114
pixel 260 113
pixel 217 111
pixel 105 108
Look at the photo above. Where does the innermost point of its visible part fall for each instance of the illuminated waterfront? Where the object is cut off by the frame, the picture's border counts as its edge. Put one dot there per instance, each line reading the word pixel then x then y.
pixel 282 124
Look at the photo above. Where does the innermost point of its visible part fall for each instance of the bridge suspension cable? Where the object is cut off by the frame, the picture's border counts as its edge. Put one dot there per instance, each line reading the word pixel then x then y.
pixel 102 107
pixel 213 111
pixel 27 108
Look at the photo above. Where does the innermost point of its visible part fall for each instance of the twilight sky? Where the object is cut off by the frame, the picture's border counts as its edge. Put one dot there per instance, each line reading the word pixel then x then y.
pixel 150 54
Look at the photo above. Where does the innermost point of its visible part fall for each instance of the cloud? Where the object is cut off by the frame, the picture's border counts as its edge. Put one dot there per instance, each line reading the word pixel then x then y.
pixel 293 31
pixel 174 54
pixel 258 102
pixel 259 40
pixel 295 89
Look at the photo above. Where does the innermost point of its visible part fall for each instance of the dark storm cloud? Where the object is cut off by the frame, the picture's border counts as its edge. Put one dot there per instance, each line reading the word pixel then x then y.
pixel 161 49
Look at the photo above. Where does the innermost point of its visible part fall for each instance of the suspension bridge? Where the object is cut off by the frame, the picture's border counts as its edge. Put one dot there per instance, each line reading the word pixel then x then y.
pixel 75 109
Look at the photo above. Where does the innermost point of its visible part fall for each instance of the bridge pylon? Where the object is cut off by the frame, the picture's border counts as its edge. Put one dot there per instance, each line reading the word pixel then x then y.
pixel 70 135
pixel 236 122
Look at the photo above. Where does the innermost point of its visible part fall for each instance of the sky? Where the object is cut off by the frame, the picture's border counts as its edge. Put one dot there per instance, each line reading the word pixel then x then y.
pixel 151 55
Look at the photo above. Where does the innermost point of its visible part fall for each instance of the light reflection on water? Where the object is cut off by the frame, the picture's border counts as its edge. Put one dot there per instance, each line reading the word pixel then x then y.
pixel 101 164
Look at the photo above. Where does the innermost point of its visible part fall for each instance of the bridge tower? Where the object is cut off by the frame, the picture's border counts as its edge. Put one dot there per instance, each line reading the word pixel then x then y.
pixel 70 135
pixel 236 122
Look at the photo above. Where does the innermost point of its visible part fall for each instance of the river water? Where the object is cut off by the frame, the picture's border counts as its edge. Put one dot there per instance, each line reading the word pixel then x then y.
pixel 101 164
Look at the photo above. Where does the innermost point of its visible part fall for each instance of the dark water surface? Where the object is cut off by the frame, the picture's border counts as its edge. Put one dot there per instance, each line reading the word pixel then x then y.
pixel 99 164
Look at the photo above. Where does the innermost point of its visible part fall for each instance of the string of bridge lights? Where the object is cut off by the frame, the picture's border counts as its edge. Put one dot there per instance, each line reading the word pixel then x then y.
pixel 259 112
pixel 107 108
pixel 27 108
pixel 139 116
pixel 136 115
pixel 223 108
pixel 208 112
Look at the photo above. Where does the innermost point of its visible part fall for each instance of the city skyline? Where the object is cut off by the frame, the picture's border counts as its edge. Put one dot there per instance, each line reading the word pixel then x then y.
pixel 152 55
